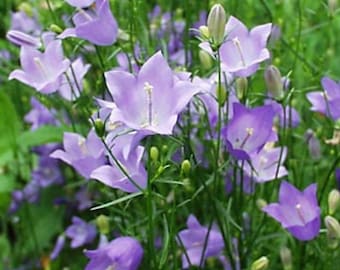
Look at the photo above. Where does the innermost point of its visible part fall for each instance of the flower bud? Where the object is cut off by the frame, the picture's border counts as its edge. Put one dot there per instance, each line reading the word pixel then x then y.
pixel 27 8
pixel 260 203
pixel 99 127
pixel 273 81
pixel 333 227
pixel 205 60
pixel 286 258
pixel 260 264
pixel 216 23
pixel 154 153
pixel 314 146
pixel 241 87
pixel 204 31
pixel 221 94
pixel 332 6
pixel 333 201
pixel 22 39
pixel 56 28
pixel 185 167
pixel 103 224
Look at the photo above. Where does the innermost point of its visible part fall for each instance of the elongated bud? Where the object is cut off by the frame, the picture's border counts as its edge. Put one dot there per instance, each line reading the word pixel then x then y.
pixel 22 39
pixel 56 28
pixel 273 81
pixel 260 203
pixel 216 23
pixel 333 201
pixel 103 224
pixel 205 60
pixel 260 264
pixel 286 258
pixel 332 6
pixel 185 167
pixel 221 94
pixel 314 146
pixel 99 127
pixel 27 8
pixel 241 87
pixel 154 153
pixel 204 31
pixel 333 231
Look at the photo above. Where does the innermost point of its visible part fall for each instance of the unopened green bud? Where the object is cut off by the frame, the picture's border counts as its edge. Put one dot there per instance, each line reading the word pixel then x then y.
pixel 241 87
pixel 204 31
pixel 154 153
pixel 273 81
pixel 165 148
pixel 260 264
pixel 103 224
pixel 27 8
pixel 185 167
pixel 221 94
pixel 55 28
pixel 260 203
pixel 205 59
pixel 99 127
pixel 332 6
pixel 187 185
pixel 216 23
pixel 286 258
pixel 333 227
pixel 333 201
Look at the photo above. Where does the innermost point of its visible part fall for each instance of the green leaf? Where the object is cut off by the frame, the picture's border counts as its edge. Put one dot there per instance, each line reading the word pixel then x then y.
pixel 120 200
pixel 42 135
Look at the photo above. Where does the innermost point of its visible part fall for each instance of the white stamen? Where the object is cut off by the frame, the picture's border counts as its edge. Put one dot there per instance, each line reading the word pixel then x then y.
pixel 148 89
pixel 237 43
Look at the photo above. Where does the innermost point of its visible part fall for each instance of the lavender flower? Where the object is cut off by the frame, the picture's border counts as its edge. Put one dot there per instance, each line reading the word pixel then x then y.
pixel 151 101
pixel 96 25
pixel 41 71
pixel 193 240
pixel 123 253
pixel 297 211
pixel 80 3
pixel 59 245
pixel 39 115
pixel 48 172
pixel 22 39
pixel 84 155
pixel 80 232
pixel 327 101
pixel 242 52
pixel 22 22
pixel 249 130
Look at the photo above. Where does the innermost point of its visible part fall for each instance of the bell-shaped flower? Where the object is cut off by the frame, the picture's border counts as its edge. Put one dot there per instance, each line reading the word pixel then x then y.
pixel 297 211
pixel 150 101
pixel 327 101
pixel 42 70
pixel 193 239
pixel 84 155
pixel 248 130
pixel 95 24
pixel 80 232
pixel 123 253
pixel 243 51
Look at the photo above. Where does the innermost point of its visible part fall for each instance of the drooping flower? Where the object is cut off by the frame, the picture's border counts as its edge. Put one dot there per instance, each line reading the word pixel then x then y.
pixel 243 51
pixel 193 239
pixel 96 24
pixel 123 253
pixel 151 101
pixel 80 232
pixel 327 101
pixel 41 70
pixel 85 155
pixel 297 211
pixel 249 130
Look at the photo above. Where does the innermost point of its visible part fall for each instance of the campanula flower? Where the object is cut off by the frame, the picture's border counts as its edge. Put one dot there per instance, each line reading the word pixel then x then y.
pixel 42 70
pixel 297 211
pixel 80 232
pixel 150 101
pixel 96 24
pixel 80 3
pixel 243 51
pixel 123 253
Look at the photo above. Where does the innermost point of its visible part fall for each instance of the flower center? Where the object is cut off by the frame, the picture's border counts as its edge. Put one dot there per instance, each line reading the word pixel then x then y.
pixel 40 67
pixel 250 132
pixel 237 44
pixel 82 146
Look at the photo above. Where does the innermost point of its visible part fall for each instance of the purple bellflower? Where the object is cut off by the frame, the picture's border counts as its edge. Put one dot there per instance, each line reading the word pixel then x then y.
pixel 97 25
pixel 80 232
pixel 193 239
pixel 242 51
pixel 328 101
pixel 151 101
pixel 41 71
pixel 248 130
pixel 22 22
pixel 85 155
pixel 297 211
pixel 124 253
pixel 80 3
pixel 22 39
pixel 59 245
pixel 48 172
